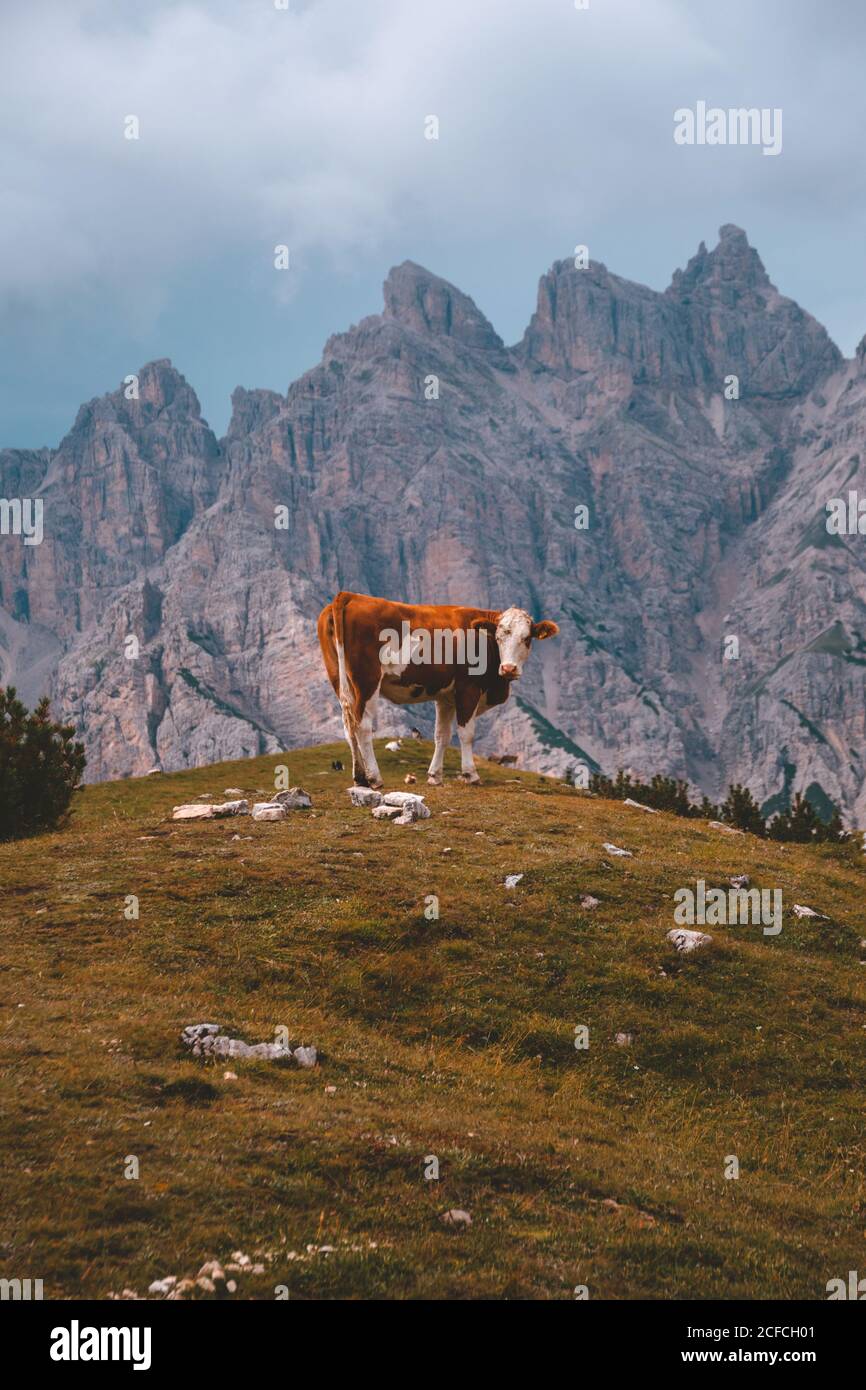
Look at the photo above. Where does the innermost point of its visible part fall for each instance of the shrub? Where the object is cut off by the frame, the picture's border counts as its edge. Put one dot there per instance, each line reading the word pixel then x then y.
pixel 803 825
pixel 739 809
pixel 40 767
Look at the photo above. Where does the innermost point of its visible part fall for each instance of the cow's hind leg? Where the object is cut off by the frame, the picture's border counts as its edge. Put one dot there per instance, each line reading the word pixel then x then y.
pixel 466 734
pixel 359 776
pixel 444 729
pixel 365 742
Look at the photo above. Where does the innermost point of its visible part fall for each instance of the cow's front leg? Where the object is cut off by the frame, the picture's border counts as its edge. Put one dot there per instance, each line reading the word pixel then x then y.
pixel 466 734
pixel 365 743
pixel 444 729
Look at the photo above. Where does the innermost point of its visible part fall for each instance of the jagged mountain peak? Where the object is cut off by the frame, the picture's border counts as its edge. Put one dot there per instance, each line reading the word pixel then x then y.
pixel 427 304
pixel 158 387
pixel 732 269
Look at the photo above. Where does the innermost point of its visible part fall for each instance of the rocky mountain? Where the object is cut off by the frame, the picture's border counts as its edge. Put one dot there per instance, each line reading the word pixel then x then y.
pixel 712 626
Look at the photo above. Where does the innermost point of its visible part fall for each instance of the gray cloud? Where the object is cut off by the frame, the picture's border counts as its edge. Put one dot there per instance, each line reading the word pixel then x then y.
pixel 261 126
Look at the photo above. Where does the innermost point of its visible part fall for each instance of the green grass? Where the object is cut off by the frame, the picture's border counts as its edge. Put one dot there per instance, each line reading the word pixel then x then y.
pixel 452 1038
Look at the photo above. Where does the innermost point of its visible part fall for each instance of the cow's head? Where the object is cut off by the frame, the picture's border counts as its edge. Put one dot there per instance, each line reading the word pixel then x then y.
pixel 514 631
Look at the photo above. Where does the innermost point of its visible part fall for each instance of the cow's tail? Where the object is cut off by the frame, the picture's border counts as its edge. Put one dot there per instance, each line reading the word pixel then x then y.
pixel 348 694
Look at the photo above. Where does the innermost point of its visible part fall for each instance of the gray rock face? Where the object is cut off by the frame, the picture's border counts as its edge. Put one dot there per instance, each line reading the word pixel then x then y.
pixel 706 522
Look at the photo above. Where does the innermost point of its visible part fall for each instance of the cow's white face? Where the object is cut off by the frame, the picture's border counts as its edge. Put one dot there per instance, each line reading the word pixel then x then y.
pixel 513 638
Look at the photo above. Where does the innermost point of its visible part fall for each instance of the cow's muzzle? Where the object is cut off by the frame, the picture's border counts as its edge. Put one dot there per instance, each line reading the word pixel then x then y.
pixel 510 673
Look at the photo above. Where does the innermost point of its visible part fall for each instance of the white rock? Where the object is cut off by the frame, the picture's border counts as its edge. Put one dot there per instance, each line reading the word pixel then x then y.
pixel 512 880
pixel 800 911
pixel 295 799
pixel 727 829
pixel 269 810
pixel 588 902
pixel 639 806
pixel 192 813
pixel 686 940
pixel 410 805
pixel 153 772
pixel 232 808
pixel 233 791
pixel 393 746
pixel 386 812
pixel 162 1285
pixel 305 1056
pixel 457 1219
pixel 624 1039
pixel 364 796
pixel 614 849
pixel 739 881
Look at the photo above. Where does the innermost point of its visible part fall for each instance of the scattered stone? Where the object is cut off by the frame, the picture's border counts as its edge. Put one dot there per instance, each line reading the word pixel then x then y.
pixel 588 902
pixel 447 850
pixel 512 880
pixel 233 791
pixel 230 1076
pixel 184 1289
pixel 295 799
pixel 393 746
pixel 686 940
pixel 800 911
pixel 410 805
pixel 639 806
pixel 727 829
pixel 364 796
pixel 206 1040
pixel 269 810
pixel 457 1219
pixel 154 772
pixel 614 849
pixel 192 813
pixel 232 808
pixel 163 1285
pixel 739 881
pixel 410 779
pixel 402 799
pixel 386 812
pixel 624 1039
pixel 610 1204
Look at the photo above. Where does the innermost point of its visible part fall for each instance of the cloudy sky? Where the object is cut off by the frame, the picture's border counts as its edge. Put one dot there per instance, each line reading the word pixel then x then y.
pixel 304 126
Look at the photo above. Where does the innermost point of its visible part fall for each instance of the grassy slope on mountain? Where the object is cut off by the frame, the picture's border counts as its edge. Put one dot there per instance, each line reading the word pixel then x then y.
pixel 453 1038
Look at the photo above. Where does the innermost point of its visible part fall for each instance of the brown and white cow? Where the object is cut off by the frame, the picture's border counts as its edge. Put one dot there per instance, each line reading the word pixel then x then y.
pixel 464 659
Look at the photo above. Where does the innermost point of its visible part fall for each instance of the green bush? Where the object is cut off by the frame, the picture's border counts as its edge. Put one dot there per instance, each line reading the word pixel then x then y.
pixel 40 767
pixel 801 824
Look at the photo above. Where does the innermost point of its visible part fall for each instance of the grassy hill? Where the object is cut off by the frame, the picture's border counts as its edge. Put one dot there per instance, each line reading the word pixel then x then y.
pixel 452 1038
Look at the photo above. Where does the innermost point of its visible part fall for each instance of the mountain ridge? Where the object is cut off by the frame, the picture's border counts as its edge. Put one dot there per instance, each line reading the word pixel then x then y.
pixel 614 398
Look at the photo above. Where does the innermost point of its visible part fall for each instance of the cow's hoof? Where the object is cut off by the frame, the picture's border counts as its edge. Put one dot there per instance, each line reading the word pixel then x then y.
pixel 377 786
pixel 470 778
pixel 434 781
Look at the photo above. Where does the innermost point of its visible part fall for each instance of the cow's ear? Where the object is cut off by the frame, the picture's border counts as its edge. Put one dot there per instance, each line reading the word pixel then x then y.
pixel 544 629
pixel 484 625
